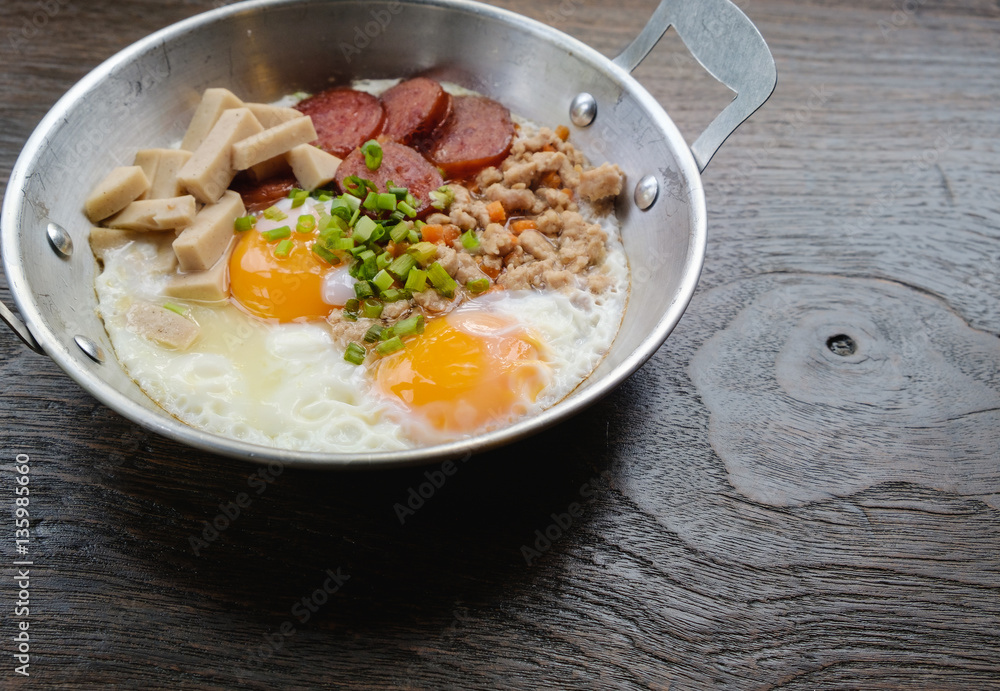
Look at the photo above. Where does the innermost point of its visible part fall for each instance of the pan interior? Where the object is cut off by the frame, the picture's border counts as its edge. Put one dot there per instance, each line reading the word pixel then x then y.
pixel 264 50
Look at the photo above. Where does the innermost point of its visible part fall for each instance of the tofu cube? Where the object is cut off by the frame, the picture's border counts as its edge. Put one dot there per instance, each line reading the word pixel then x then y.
pixel 155 214
pixel 161 167
pixel 312 166
pixel 118 189
pixel 201 244
pixel 272 142
pixel 213 103
pixel 210 170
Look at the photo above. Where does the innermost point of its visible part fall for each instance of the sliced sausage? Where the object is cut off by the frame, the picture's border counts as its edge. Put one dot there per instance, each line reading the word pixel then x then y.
pixel 404 166
pixel 258 196
pixel 344 119
pixel 478 134
pixel 414 109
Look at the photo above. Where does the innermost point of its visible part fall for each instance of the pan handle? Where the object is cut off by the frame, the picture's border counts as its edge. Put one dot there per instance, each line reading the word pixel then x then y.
pixel 19 328
pixel 728 45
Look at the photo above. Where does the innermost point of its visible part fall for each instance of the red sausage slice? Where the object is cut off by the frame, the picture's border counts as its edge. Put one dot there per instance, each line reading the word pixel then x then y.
pixel 414 109
pixel 344 119
pixel 478 134
pixel 402 165
pixel 259 196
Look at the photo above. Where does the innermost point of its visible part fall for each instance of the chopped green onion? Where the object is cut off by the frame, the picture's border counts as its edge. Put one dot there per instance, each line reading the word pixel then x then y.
pixel 368 266
pixel 383 261
pixel 284 248
pixel 344 206
pixel 354 218
pixel 386 334
pixel 416 281
pixel 394 294
pixel 379 233
pixel 409 326
pixel 373 154
pixel 383 280
pixel 371 308
pixel 174 307
pixel 343 244
pixel 391 346
pixel 363 289
pixel 407 209
pixel 298 197
pixel 398 192
pixel 306 224
pixel 478 285
pixel 325 254
pixel 442 197
pixel 397 216
pixel 323 196
pixel 387 201
pixel 273 213
pixel 356 186
pixel 357 251
pixel 355 353
pixel 469 240
pixel 352 305
pixel 401 266
pixel 373 333
pixel 277 233
pixel 363 229
pixel 414 236
pixel 440 279
pixel 399 232
pixel 244 223
pixel 371 201
pixel 423 252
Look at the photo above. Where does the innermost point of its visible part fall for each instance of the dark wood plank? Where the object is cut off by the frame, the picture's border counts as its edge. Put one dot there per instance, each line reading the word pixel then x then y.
pixel 755 510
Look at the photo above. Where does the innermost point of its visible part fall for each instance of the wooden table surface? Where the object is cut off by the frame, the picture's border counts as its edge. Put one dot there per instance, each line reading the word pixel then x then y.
pixel 751 509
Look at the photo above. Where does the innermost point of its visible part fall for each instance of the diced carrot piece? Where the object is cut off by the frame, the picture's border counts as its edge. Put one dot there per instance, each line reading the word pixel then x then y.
pixel 549 148
pixel 568 192
pixel 436 233
pixel 551 179
pixel 496 211
pixel 523 224
pixel 491 272
pixel 562 132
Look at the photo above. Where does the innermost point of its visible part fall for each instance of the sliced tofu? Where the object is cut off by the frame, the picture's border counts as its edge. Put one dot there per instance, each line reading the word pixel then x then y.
pixel 118 189
pixel 272 142
pixel 271 168
pixel 211 285
pixel 213 103
pixel 155 214
pixel 312 166
pixel 210 170
pixel 161 167
pixel 272 116
pixel 161 326
pixel 199 247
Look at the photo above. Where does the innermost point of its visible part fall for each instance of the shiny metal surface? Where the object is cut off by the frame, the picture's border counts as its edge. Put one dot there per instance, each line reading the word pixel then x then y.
pixel 583 110
pixel 728 45
pixel 646 191
pixel 147 93
pixel 60 240
pixel 89 348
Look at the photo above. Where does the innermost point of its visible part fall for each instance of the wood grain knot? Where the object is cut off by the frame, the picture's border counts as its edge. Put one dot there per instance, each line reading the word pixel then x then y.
pixel 823 386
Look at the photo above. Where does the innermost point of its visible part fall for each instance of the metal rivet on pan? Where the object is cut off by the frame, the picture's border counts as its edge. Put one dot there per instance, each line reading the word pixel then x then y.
pixel 646 192
pixel 583 109
pixel 60 240
pixel 91 349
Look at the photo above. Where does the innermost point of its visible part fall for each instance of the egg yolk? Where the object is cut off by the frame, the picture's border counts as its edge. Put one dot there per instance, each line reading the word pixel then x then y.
pixel 466 372
pixel 283 288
